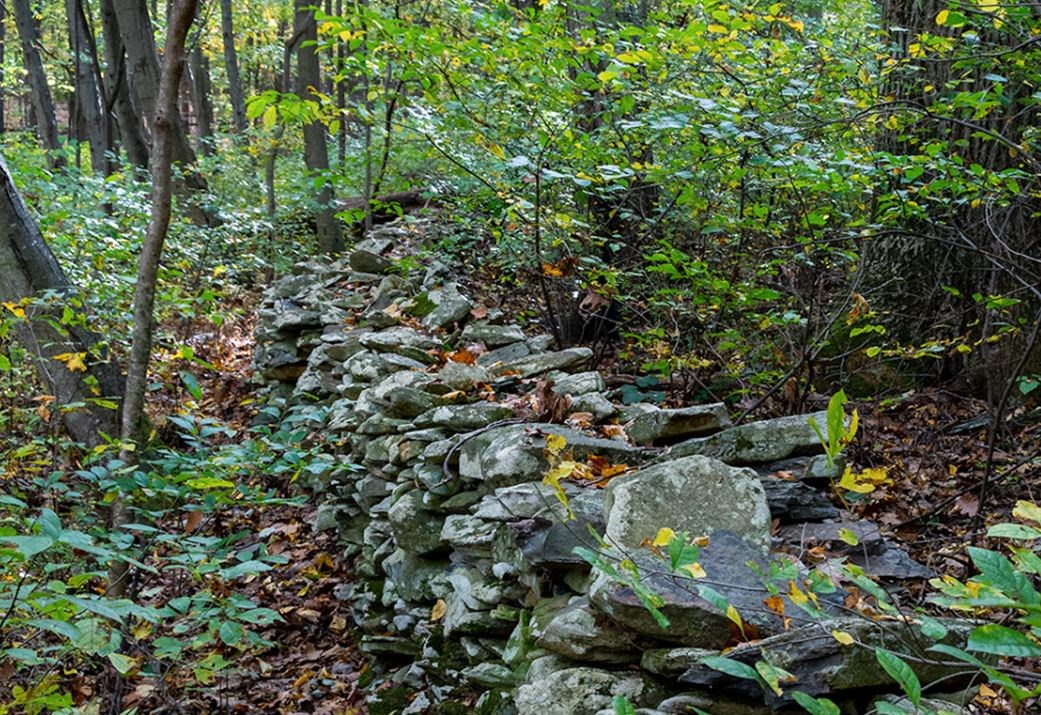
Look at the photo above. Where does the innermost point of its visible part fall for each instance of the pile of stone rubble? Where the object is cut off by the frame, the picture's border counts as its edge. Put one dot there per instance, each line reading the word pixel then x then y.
pixel 466 564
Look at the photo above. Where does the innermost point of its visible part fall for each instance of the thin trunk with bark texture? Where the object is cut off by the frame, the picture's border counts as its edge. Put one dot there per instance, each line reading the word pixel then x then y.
pixel 201 88
pixel 117 91
pixel 231 66
pixel 164 123
pixel 3 43
pixel 316 150
pixel 90 103
pixel 29 270
pixel 43 103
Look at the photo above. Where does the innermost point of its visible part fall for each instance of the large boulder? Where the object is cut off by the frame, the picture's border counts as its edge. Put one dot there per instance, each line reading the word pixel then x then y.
pixel 696 494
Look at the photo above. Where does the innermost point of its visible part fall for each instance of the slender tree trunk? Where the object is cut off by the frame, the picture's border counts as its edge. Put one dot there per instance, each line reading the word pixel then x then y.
pixel 201 92
pixel 29 270
pixel 43 104
pixel 131 131
pixel 231 66
pixel 164 123
pixel 89 100
pixel 316 150
pixel 3 44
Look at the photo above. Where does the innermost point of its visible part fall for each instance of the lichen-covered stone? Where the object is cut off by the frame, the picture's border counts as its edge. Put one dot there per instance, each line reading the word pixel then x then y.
pixel 662 425
pixel 583 691
pixel 755 442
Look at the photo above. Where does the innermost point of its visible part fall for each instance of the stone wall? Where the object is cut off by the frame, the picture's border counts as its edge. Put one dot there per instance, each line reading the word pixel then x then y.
pixel 449 417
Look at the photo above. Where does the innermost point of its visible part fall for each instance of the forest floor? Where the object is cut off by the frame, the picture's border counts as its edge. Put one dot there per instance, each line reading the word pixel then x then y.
pixel 934 444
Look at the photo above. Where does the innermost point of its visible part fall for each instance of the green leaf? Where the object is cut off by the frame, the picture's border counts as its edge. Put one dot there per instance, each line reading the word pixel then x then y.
pixel 815 706
pixel 622 706
pixel 209 483
pixel 122 663
pixel 901 672
pixel 191 383
pixel 231 633
pixel 1000 640
pixel 1013 531
pixel 731 667
pixel 885 708
pixel 29 546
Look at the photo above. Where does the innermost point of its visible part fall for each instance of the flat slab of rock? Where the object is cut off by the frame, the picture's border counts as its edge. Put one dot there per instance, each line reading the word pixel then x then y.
pixel 755 442
pixel 583 633
pixel 698 495
pixel 795 501
pixel 544 362
pixel 664 425
pixel 693 620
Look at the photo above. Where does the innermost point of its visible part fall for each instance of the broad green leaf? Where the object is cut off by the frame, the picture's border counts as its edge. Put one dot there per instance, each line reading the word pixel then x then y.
pixel 122 663
pixel 1001 640
pixel 191 383
pixel 731 667
pixel 231 633
pixel 901 672
pixel 209 483
pixel 1013 531
pixel 622 706
pixel 815 706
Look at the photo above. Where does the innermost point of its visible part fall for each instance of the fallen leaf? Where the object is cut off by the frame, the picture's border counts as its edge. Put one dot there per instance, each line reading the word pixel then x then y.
pixel 438 611
pixel 967 504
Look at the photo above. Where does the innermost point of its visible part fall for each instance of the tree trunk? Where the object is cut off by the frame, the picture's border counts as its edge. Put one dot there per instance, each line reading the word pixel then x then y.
pixel 201 88
pixel 164 124
pixel 89 101
pixel 43 104
pixel 231 66
pixel 142 70
pixel 316 150
pixel 131 131
pixel 3 44
pixel 29 270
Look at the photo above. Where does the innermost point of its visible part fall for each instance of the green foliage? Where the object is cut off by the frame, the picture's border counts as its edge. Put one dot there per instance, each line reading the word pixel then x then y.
pixel 841 430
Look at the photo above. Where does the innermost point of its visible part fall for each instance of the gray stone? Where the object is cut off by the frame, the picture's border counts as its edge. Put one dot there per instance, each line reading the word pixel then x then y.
pixel 490 675
pixel 450 306
pixel 582 691
pixel 764 441
pixel 583 633
pixel 460 376
pixel 673 662
pixel 694 621
pixel 326 516
pixel 466 533
pixel 416 529
pixel 795 501
pixel 506 353
pixel 366 261
pixel 513 454
pixel 393 339
pixel 550 541
pixel 714 703
pixel 493 336
pixel 594 403
pixel 465 418
pixel 670 424
pixel 926 706
pixel 544 362
pixel 825 666
pixel 697 495
pixel 580 383
pixel 409 402
pixel 414 576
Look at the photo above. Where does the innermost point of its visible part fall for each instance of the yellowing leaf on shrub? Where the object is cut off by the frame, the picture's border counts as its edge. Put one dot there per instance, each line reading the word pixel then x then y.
pixel 438 611
pixel 863 482
pixel 796 594
pixel 73 361
pixel 19 311
pixel 941 17
pixel 1028 511
pixel 664 536
pixel 555 444
pixel 734 616
pixel 693 570
pixel 842 637
pixel 848 537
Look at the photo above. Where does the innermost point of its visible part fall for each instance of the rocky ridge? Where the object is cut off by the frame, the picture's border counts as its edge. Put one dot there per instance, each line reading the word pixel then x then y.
pixel 469 570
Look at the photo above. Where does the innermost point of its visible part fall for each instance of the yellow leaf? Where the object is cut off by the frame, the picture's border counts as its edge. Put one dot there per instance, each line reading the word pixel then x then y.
pixel 941 17
pixel 73 361
pixel 1027 511
pixel 555 443
pixel 734 616
pixel 438 611
pixel 718 29
pixel 629 58
pixel 797 25
pixel 19 312
pixel 796 595
pixel 842 637
pixel 607 75
pixel 664 536
pixel 990 6
pixel 693 570
pixel 497 150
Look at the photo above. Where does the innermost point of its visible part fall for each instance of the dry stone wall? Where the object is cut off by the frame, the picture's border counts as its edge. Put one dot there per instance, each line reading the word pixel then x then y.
pixel 466 565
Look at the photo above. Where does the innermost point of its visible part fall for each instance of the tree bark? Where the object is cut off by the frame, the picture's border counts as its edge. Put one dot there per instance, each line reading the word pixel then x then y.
pixel 201 92
pixel 43 103
pixel 89 99
pixel 131 131
pixel 231 66
pixel 3 44
pixel 316 150
pixel 30 270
